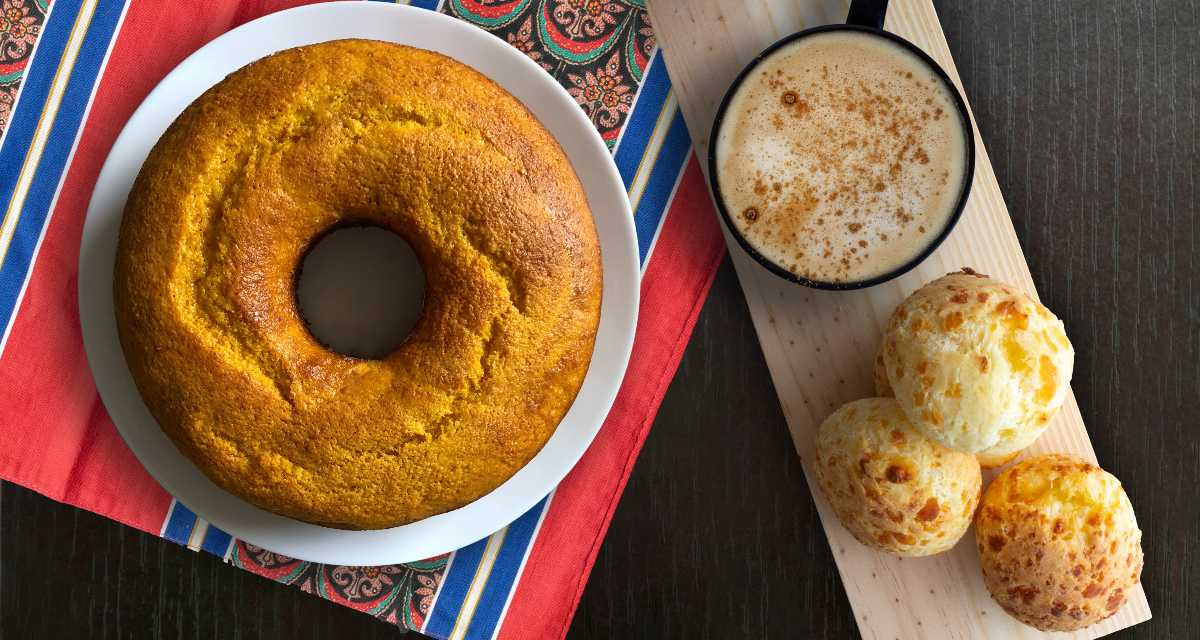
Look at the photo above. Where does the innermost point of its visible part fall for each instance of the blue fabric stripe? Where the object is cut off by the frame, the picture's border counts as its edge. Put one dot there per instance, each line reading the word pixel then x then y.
pixel 640 124
pixel 179 527
pixel 216 541
pixel 653 205
pixel 454 589
pixel 504 573
pixel 432 5
pixel 35 87
pixel 53 161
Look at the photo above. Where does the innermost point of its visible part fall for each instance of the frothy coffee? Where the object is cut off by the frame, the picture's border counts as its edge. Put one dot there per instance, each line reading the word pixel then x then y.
pixel 841 157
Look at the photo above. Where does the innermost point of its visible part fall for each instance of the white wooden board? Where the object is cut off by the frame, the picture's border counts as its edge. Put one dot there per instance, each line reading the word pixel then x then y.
pixel 819 346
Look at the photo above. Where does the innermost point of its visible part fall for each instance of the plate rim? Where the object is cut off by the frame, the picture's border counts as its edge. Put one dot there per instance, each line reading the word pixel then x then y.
pixel 449 531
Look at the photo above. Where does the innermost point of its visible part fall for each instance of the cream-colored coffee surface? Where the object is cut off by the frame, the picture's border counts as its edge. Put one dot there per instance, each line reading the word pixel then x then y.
pixel 841 157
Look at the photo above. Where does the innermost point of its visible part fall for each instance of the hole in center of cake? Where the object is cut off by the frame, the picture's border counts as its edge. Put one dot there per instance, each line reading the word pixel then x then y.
pixel 360 291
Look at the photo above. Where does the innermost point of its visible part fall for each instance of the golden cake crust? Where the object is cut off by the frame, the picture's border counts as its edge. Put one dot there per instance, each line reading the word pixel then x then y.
pixel 365 132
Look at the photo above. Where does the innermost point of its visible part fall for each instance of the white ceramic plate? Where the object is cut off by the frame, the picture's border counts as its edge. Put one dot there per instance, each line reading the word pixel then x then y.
pixel 521 77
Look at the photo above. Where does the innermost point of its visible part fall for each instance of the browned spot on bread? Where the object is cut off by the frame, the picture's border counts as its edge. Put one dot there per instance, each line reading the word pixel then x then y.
pixel 1012 314
pixel 903 538
pixel 929 511
pixel 898 474
pixel 1026 594
pixel 863 463
pixel 1114 600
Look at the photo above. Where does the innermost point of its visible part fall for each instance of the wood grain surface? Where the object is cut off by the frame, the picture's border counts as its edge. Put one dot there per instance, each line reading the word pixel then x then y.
pixel 820 346
pixel 1090 113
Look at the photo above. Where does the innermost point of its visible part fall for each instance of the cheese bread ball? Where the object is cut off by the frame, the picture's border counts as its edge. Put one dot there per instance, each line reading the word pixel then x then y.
pixel 892 487
pixel 1058 542
pixel 977 365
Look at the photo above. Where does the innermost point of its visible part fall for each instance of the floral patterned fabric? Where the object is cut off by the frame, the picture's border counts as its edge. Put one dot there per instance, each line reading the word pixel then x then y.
pixel 20 24
pixel 597 49
pixel 399 593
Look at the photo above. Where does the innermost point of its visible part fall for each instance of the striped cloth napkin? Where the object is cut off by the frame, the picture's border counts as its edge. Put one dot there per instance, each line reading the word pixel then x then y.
pixel 72 72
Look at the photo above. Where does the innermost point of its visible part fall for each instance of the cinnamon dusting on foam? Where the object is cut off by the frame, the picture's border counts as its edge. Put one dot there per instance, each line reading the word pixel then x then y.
pixel 841 157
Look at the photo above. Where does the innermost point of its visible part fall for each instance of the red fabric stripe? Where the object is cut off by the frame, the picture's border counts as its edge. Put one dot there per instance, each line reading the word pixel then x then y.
pixel 59 440
pixel 674 287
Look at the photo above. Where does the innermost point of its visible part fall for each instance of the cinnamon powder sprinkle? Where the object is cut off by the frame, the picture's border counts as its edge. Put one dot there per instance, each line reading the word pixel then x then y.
pixel 852 145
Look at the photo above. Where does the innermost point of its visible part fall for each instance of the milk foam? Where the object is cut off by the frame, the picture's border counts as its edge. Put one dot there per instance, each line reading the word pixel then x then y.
pixel 841 156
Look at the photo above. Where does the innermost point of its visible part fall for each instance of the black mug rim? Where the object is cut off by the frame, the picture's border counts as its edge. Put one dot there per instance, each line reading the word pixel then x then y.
pixel 920 256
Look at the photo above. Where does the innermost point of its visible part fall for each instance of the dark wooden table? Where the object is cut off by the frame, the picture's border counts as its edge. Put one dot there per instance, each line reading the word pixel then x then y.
pixel 1090 111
